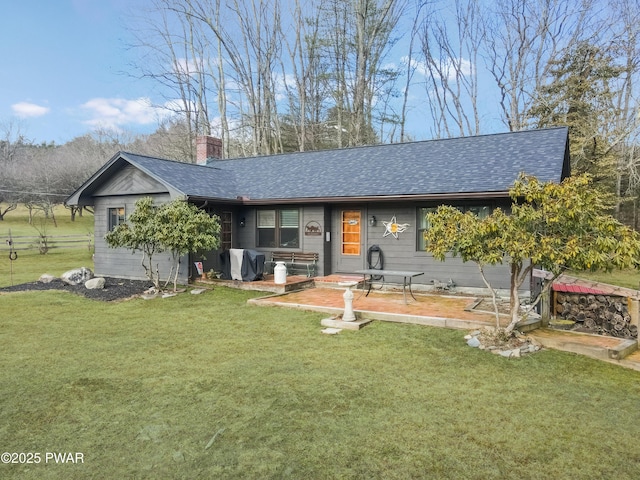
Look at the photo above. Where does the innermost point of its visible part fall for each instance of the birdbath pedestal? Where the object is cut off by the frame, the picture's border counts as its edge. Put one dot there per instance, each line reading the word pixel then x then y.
pixel 348 315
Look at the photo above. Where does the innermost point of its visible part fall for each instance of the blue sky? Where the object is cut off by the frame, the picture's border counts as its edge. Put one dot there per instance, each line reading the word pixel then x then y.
pixel 64 66
pixel 64 71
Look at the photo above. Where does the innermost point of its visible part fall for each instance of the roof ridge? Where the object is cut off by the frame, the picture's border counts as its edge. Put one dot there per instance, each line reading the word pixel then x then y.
pixel 380 145
pixel 208 165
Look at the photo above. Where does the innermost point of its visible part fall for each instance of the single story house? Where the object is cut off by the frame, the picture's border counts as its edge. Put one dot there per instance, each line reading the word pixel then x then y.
pixel 336 203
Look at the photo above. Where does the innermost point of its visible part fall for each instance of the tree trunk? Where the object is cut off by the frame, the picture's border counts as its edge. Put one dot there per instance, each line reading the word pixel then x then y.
pixel 514 301
pixel 493 295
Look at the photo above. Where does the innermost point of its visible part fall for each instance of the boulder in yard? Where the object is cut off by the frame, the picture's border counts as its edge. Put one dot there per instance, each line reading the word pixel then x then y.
pixel 46 278
pixel 94 283
pixel 77 276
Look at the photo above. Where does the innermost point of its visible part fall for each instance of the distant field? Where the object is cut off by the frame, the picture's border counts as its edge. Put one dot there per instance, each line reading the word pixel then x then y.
pixel 30 264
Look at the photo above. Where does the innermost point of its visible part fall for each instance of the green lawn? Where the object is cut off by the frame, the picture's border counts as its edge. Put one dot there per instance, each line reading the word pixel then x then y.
pixel 210 387
pixel 30 264
pixel 207 386
pixel 629 278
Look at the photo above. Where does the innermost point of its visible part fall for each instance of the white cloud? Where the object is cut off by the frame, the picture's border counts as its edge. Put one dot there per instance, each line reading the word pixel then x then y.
pixel 27 110
pixel 446 66
pixel 116 112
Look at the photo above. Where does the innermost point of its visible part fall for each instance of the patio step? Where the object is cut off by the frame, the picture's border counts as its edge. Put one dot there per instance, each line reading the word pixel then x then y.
pixel 294 283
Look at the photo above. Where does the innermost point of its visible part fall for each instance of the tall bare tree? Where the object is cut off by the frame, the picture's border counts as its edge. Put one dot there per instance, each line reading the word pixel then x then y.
pixel 523 38
pixel 12 146
pixel 626 46
pixel 175 56
pixel 451 51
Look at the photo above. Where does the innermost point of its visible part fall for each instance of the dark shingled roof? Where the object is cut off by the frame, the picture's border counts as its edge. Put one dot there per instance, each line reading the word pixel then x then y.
pixel 190 179
pixel 465 165
pixel 488 163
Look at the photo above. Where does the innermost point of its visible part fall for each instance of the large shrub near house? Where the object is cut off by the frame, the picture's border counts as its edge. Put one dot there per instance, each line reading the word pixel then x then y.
pixel 178 227
pixel 552 226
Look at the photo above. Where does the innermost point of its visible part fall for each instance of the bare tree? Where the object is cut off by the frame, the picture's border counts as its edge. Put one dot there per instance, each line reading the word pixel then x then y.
pixel 451 50
pixel 410 64
pixel 247 41
pixel 175 55
pixel 375 22
pixel 12 146
pixel 358 35
pixel 626 45
pixel 523 38
pixel 306 91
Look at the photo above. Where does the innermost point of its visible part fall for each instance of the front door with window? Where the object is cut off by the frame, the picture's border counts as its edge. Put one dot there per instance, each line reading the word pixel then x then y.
pixel 349 241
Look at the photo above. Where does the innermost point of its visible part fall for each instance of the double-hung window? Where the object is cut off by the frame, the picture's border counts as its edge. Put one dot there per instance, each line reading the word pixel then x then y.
pixel 423 225
pixel 279 228
pixel 115 217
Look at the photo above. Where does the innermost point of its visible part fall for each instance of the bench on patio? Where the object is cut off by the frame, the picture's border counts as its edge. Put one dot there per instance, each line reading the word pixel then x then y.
pixel 307 263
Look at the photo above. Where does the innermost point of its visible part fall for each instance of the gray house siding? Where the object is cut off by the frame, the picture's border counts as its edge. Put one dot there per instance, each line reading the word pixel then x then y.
pixel 120 262
pixel 123 190
pixel 402 253
pixel 399 254
pixel 247 236
pixel 384 181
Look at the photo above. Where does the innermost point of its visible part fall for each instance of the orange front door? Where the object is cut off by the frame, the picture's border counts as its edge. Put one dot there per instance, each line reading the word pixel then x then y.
pixel 350 241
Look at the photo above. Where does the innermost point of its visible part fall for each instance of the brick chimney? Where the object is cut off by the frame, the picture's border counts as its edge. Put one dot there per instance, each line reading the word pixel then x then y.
pixel 208 148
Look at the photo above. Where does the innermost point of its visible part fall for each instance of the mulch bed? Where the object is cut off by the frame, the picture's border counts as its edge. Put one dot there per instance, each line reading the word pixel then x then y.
pixel 114 288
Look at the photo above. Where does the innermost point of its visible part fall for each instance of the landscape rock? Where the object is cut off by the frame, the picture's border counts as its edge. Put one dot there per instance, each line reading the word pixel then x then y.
pixel 331 331
pixel 46 278
pixel 94 283
pixel 197 291
pixel 515 346
pixel 114 288
pixel 77 276
pixel 473 342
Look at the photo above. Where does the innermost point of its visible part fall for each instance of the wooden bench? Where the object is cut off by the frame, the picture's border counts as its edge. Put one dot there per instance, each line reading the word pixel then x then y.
pixel 297 261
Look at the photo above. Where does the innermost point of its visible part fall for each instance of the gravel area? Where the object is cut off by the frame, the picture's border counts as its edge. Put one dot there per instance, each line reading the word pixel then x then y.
pixel 114 288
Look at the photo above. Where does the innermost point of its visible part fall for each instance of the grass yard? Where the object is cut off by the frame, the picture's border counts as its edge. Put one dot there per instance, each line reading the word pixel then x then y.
pixel 628 278
pixel 30 264
pixel 206 386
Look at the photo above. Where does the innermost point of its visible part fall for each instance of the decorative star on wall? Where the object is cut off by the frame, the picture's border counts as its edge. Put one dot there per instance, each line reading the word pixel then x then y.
pixel 394 228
